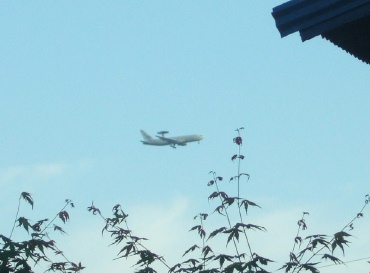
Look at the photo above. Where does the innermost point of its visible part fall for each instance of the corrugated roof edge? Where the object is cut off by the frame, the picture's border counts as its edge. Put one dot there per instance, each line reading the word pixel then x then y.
pixel 349 52
pixel 297 15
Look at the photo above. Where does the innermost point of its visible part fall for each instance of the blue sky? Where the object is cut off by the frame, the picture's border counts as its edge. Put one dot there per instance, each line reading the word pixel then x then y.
pixel 79 79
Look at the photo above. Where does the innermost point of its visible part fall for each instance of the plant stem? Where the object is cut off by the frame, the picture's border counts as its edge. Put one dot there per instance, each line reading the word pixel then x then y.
pixel 227 216
pixel 238 199
pixel 16 216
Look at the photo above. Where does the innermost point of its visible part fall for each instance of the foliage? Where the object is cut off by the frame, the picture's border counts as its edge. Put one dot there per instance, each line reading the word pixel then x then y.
pixel 117 227
pixel 307 254
pixel 236 254
pixel 39 248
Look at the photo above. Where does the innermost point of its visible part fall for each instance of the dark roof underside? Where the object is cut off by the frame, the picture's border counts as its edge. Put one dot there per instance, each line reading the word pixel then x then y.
pixel 353 37
pixel 345 23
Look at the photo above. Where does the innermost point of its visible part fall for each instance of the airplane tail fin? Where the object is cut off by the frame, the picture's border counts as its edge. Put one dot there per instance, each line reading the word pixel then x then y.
pixel 145 135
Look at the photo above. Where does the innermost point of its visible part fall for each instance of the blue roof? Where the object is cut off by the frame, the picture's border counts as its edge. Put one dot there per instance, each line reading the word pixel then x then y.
pixel 345 23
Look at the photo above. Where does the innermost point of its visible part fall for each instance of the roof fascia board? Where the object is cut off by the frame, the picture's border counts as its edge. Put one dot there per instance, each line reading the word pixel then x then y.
pixel 325 26
pixel 296 15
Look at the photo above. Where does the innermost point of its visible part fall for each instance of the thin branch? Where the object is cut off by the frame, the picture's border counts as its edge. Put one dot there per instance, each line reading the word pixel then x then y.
pixel 16 216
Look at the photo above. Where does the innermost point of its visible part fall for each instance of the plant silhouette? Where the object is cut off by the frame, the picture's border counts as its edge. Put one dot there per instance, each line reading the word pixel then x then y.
pixel 234 254
pixel 39 249
pixel 307 254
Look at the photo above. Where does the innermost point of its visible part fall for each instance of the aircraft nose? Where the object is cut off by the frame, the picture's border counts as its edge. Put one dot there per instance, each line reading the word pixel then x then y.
pixel 200 137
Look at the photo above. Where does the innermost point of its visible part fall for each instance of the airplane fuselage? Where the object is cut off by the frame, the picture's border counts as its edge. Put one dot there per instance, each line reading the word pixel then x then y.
pixel 172 141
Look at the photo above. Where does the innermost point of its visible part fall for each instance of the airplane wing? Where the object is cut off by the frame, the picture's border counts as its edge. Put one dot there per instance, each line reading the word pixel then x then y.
pixel 173 141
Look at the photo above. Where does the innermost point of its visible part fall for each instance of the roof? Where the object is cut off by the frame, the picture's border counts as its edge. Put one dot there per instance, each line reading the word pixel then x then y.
pixel 346 23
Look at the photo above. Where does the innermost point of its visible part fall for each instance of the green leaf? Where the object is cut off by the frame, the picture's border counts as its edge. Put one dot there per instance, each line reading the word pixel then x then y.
pixel 196 227
pixel 320 241
pixel 191 261
pixel 213 195
pixel 302 224
pixel 340 241
pixel 222 258
pixel 146 257
pixel 146 270
pixel 223 195
pixel 229 201
pixel 64 216
pixel 23 222
pixel 261 259
pixel 219 209
pixel 237 266
pixel 234 233
pixel 215 232
pixel 75 267
pixel 249 226
pixel 289 266
pixel 332 258
pixel 172 269
pixel 203 216
pixel 59 229
pixel 130 247
pixel 190 249
pixel 206 251
pixel 93 209
pixel 201 231
pixel 246 204
pixel 27 197
pixel 310 267
pixel 317 239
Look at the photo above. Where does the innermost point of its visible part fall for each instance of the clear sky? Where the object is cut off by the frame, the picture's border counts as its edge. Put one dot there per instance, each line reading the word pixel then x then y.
pixel 79 79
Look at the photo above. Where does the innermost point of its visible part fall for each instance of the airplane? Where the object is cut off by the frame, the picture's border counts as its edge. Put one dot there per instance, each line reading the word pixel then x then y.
pixel 172 141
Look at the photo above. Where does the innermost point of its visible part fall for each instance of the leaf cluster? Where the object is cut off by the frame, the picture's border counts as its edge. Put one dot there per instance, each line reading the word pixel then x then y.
pixel 130 244
pixel 18 256
pixel 235 232
pixel 318 245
